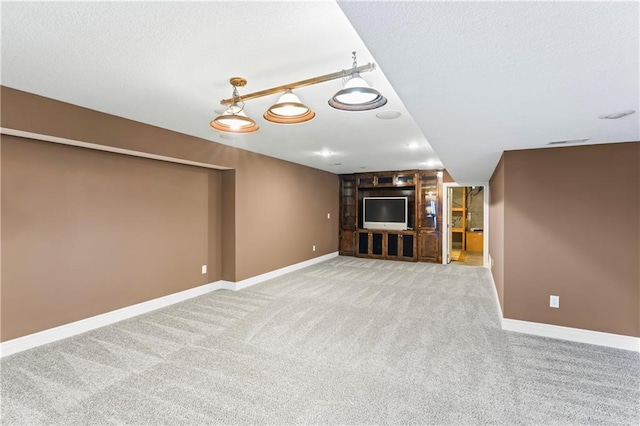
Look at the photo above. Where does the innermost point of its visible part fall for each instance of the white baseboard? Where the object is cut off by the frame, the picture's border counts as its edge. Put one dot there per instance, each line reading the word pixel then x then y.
pixel 566 333
pixel 228 285
pixel 496 297
pixel 617 341
pixel 68 330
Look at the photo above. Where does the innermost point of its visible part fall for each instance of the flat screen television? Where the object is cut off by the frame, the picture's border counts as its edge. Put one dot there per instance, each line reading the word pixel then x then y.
pixel 385 213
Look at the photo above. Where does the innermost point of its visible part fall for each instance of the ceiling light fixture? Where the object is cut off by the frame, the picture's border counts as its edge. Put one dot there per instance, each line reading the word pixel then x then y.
pixel 289 110
pixel 388 115
pixel 234 119
pixel 358 96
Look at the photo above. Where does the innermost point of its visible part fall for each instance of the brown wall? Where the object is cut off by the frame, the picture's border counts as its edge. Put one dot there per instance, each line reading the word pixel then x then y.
pixel 228 234
pixel 571 229
pixel 446 177
pixel 271 211
pixel 87 232
pixel 215 217
pixel 496 229
pixel 273 226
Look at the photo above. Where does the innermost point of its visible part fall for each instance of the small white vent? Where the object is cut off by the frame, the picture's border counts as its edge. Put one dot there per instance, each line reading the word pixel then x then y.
pixel 616 115
pixel 568 141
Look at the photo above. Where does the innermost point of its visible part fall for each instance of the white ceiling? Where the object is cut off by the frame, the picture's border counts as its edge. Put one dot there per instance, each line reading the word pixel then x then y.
pixel 477 78
pixel 480 78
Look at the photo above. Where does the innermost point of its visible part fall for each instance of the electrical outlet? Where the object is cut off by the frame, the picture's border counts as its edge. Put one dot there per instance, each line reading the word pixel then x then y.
pixel 554 301
pixel 313 248
pixel 204 269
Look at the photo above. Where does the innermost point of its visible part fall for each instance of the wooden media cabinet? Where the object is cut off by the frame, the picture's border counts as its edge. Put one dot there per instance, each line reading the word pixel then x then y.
pixel 422 241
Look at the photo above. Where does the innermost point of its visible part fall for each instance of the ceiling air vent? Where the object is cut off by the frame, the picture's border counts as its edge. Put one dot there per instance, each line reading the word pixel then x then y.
pixel 616 115
pixel 568 141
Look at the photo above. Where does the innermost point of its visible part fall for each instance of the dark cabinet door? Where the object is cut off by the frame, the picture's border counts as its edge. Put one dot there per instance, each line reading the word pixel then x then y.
pixel 371 244
pixel 429 246
pixel 347 242
pixel 363 243
pixel 408 251
pixel 400 246
pixel 377 243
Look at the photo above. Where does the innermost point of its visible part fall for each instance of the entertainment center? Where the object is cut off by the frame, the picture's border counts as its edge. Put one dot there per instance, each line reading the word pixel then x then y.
pixel 392 215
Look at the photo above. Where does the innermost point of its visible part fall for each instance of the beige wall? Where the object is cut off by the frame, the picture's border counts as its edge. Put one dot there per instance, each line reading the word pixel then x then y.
pixel 228 234
pixel 86 232
pixel 271 211
pixel 215 218
pixel 571 229
pixel 446 177
pixel 275 228
pixel 496 229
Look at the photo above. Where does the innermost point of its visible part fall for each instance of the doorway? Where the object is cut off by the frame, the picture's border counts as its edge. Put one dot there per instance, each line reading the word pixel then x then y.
pixel 466 222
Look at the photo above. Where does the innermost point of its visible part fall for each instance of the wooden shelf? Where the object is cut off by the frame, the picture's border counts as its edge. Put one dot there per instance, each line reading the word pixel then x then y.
pixel 458 220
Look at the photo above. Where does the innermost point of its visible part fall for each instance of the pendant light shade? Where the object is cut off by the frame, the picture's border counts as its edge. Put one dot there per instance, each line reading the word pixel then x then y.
pixel 357 95
pixel 234 119
pixel 289 110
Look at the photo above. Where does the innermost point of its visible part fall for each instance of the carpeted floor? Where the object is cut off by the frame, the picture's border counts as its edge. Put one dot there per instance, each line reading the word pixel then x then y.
pixel 347 341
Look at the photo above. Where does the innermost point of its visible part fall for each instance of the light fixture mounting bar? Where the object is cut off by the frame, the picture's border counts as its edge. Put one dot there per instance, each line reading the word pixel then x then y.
pixel 308 82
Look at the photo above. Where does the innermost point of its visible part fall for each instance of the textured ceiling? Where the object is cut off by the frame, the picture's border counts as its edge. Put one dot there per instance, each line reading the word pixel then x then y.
pixel 478 78
pixel 169 64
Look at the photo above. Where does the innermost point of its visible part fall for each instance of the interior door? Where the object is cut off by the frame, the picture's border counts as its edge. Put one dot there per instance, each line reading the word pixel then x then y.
pixel 448 224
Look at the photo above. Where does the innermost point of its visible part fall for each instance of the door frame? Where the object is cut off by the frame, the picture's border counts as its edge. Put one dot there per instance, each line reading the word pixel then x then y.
pixel 445 219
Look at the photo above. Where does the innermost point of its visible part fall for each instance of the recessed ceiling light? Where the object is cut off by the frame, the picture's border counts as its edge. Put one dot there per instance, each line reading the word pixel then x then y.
pixel 616 115
pixel 388 115
pixel 413 145
pixel 326 153
pixel 568 141
pixel 432 163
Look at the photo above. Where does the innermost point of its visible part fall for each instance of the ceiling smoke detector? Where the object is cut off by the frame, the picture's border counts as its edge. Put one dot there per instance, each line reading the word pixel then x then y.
pixel 617 115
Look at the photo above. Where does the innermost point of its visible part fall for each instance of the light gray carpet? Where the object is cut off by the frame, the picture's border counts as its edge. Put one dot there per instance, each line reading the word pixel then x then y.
pixel 347 341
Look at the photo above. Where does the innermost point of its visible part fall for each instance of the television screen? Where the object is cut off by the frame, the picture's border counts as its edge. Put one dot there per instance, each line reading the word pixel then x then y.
pixel 385 213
